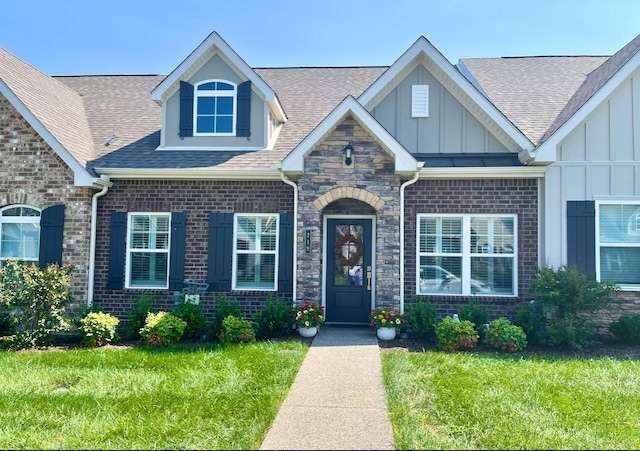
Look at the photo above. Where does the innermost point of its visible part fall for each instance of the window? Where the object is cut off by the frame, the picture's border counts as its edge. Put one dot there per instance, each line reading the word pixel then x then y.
pixel 20 233
pixel 148 250
pixel 255 252
pixel 618 236
pixel 466 254
pixel 214 108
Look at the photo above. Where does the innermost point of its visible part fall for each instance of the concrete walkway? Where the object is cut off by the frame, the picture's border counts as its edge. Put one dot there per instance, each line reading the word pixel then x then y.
pixel 337 400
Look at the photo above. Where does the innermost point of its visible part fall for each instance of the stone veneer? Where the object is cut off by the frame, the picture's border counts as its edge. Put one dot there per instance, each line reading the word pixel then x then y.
pixel 33 174
pixel 369 186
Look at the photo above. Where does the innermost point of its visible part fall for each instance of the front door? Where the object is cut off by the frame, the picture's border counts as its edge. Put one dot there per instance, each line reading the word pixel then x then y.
pixel 349 270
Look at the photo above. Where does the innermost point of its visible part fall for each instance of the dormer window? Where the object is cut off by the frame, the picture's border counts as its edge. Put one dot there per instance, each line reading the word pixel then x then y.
pixel 215 108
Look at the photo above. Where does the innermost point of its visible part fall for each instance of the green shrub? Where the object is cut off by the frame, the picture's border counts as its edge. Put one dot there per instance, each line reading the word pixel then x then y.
pixel 567 295
pixel 6 322
pixel 98 329
pixel 162 329
pixel 530 317
pixel 626 329
pixel 140 308
pixel 477 314
pixel 275 319
pixel 421 320
pixel 223 309
pixel 454 335
pixel 191 314
pixel 236 330
pixel 37 299
pixel 506 336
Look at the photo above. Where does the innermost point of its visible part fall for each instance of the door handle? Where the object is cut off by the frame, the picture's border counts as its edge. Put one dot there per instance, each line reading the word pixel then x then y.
pixel 369 278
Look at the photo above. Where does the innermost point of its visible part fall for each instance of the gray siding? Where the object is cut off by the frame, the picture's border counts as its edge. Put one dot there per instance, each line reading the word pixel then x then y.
pixel 450 128
pixel 215 68
pixel 599 159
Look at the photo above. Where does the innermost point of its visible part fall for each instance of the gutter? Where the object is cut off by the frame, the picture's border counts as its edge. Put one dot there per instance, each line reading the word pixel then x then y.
pixel 402 187
pixel 106 183
pixel 289 182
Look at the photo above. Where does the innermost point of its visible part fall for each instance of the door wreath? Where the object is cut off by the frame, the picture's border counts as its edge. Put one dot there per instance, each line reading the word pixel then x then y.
pixel 354 257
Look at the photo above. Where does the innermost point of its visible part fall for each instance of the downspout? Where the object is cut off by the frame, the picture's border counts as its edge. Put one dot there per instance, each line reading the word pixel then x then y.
pixel 106 184
pixel 402 187
pixel 288 181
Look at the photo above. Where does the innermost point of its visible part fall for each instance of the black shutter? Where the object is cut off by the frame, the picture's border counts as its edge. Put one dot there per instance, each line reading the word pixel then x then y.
pixel 220 251
pixel 186 109
pixel 51 235
pixel 285 254
pixel 176 251
pixel 117 248
pixel 581 236
pixel 243 120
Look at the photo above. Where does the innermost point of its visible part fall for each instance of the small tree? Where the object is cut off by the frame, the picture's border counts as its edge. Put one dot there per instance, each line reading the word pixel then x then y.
pixel 223 309
pixel 140 308
pixel 567 295
pixel 275 319
pixel 422 319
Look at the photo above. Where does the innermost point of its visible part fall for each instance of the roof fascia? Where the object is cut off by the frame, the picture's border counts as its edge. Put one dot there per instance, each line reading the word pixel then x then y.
pixel 404 161
pixel 81 176
pixel 214 41
pixel 209 173
pixel 422 48
pixel 518 172
pixel 546 152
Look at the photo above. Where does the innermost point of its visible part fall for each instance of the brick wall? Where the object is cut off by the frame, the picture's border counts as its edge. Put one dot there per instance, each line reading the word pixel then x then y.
pixel 33 174
pixel 488 196
pixel 198 199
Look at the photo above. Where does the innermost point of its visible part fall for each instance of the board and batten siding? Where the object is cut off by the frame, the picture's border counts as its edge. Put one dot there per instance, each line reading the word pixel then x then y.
pixel 450 128
pixel 599 159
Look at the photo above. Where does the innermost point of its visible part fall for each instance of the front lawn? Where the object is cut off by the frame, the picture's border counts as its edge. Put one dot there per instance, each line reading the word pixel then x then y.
pixel 496 401
pixel 137 398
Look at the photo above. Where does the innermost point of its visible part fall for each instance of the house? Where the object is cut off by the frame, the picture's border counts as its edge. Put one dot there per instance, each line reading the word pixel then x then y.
pixel 353 186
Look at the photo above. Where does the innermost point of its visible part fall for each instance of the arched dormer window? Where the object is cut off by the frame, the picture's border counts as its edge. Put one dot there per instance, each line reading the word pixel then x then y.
pixel 19 233
pixel 215 108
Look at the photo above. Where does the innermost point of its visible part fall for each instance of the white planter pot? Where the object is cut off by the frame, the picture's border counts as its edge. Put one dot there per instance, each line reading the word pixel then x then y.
pixel 308 331
pixel 386 333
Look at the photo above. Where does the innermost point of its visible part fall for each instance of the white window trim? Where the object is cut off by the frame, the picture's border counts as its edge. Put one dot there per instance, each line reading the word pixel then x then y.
pixel 612 201
pixel 466 255
pixel 233 94
pixel 234 280
pixel 20 220
pixel 129 251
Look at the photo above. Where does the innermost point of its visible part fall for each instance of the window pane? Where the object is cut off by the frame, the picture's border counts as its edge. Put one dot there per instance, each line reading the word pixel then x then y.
pixel 224 86
pixel 441 235
pixel 205 124
pixel 255 270
pixel 441 275
pixel 619 224
pixel 491 235
pixel 148 269
pixel 211 86
pixel 492 275
pixel 620 265
pixel 206 105
pixel 224 124
pixel 224 105
pixel 20 240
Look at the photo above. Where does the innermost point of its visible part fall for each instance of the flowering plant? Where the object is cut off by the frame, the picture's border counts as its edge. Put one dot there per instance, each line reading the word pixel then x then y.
pixel 385 316
pixel 309 314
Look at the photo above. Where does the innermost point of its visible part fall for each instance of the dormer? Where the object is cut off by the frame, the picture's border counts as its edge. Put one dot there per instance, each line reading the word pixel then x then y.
pixel 214 101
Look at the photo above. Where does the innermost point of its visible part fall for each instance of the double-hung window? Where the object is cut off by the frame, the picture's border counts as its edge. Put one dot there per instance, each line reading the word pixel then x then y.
pixel 618 243
pixel 20 233
pixel 466 254
pixel 148 250
pixel 215 108
pixel 255 252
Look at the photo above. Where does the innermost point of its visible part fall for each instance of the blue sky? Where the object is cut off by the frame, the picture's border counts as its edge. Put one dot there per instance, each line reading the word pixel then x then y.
pixel 71 37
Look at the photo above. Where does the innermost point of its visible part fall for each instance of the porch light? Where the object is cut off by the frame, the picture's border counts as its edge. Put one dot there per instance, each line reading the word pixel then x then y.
pixel 347 154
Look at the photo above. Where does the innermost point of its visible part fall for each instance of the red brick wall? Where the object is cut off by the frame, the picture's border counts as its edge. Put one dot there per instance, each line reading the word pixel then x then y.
pixel 198 199
pixel 484 196
pixel 33 174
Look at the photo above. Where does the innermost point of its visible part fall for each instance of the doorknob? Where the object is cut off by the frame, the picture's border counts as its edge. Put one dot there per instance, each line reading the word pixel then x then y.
pixel 369 278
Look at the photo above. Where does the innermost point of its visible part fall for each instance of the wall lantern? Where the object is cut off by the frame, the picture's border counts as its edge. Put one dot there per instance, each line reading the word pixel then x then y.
pixel 347 154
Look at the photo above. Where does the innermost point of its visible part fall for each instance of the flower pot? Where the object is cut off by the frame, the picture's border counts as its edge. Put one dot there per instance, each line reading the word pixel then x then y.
pixel 386 333
pixel 308 331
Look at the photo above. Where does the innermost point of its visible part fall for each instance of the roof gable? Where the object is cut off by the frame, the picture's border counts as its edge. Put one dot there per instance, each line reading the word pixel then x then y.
pixel 405 163
pixel 423 52
pixel 215 45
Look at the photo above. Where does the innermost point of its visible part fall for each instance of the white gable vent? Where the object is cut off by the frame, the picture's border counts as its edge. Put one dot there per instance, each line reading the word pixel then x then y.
pixel 420 101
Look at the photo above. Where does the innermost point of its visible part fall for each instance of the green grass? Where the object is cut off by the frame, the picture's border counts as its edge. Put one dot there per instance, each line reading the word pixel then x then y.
pixel 179 398
pixel 439 400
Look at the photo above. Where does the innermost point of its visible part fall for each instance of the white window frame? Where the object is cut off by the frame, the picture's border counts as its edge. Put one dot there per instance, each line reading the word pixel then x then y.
pixel 222 93
pixel 257 251
pixel 467 255
pixel 131 250
pixel 19 220
pixel 598 203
